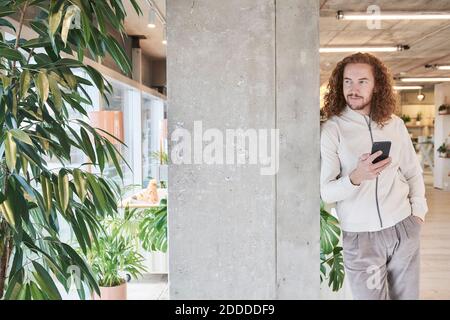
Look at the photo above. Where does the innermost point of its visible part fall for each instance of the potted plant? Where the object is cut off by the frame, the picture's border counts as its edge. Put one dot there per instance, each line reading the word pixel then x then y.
pixel 418 118
pixel 443 150
pixel 39 90
pixel 331 258
pixel 405 118
pixel 444 109
pixel 150 228
pixel 115 258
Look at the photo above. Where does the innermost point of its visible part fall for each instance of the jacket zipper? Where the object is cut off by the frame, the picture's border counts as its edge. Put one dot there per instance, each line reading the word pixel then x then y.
pixel 376 182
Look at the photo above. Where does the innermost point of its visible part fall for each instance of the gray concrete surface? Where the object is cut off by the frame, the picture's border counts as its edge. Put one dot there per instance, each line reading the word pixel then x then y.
pixel 234 233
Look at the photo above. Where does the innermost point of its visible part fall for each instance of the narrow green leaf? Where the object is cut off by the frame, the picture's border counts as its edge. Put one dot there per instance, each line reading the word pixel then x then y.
pixel 7 212
pixel 47 190
pixel 70 79
pixel 97 191
pixel 87 144
pixel 56 92
pixel 136 7
pixel 21 136
pixel 42 86
pixel 80 183
pixel 14 285
pixel 71 12
pixel 24 161
pixel 36 292
pixel 63 189
pixel 54 21
pixel 25 79
pixel 11 54
pixel 37 43
pixel 100 150
pixel 113 156
pixel 84 267
pixel 45 281
pixel 6 23
pixel 11 151
pixel 6 11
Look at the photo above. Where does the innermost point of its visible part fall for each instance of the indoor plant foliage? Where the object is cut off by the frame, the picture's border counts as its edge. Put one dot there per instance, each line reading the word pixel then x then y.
pixel 331 259
pixel 116 252
pixel 153 228
pixel 405 118
pixel 443 150
pixel 418 118
pixel 444 108
pixel 37 89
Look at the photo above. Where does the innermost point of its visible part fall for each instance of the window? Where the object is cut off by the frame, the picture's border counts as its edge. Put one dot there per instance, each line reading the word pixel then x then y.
pixel 154 140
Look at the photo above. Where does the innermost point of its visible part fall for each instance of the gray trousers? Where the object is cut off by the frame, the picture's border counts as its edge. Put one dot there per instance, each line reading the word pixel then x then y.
pixel 384 264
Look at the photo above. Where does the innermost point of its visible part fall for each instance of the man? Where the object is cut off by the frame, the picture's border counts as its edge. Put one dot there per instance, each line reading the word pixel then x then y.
pixel 381 206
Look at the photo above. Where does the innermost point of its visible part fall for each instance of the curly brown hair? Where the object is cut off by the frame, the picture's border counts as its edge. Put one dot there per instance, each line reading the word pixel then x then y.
pixel 383 101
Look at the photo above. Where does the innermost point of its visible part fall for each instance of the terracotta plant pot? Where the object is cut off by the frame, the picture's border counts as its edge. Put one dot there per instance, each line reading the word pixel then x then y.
pixel 112 293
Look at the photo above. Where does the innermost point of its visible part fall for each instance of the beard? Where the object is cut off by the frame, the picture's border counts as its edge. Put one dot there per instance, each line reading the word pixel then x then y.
pixel 357 104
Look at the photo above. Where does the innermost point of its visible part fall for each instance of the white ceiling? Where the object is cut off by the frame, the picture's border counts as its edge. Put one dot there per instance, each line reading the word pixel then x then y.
pixel 137 25
pixel 428 40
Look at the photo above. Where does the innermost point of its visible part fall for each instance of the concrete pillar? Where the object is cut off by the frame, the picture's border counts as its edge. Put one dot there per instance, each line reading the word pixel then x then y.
pixel 235 233
pixel 297 109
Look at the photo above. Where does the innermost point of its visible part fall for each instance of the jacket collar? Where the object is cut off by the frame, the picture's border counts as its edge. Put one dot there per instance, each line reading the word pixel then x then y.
pixel 353 115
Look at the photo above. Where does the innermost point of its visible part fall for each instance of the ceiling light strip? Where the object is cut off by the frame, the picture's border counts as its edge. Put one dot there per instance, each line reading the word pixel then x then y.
pixel 436 79
pixel 363 49
pixel 393 16
pixel 407 87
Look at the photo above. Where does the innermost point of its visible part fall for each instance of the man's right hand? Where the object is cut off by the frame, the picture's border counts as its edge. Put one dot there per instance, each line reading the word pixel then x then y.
pixel 366 170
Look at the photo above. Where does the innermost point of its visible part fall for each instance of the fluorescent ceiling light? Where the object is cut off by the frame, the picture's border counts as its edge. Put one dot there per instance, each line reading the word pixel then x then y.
pixel 164 40
pixel 394 16
pixel 363 49
pixel 437 66
pixel 408 87
pixel 151 19
pixel 441 79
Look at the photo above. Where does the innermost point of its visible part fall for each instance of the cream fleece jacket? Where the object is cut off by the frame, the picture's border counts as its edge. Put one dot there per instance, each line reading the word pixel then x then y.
pixel 400 189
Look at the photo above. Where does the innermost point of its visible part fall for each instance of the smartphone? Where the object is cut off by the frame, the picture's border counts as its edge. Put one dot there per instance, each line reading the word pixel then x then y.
pixel 384 146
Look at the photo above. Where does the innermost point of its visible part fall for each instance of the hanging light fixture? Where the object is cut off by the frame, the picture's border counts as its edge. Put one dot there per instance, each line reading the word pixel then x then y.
pixel 151 19
pixel 420 96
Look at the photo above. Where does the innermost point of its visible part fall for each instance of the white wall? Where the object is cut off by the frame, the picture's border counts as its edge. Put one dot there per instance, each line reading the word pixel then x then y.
pixel 441 133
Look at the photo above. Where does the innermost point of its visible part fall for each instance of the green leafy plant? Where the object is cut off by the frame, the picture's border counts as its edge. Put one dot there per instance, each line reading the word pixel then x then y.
pixel 443 148
pixel 160 156
pixel 331 259
pixel 38 88
pixel 153 228
pixel 405 118
pixel 443 108
pixel 419 116
pixel 116 252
